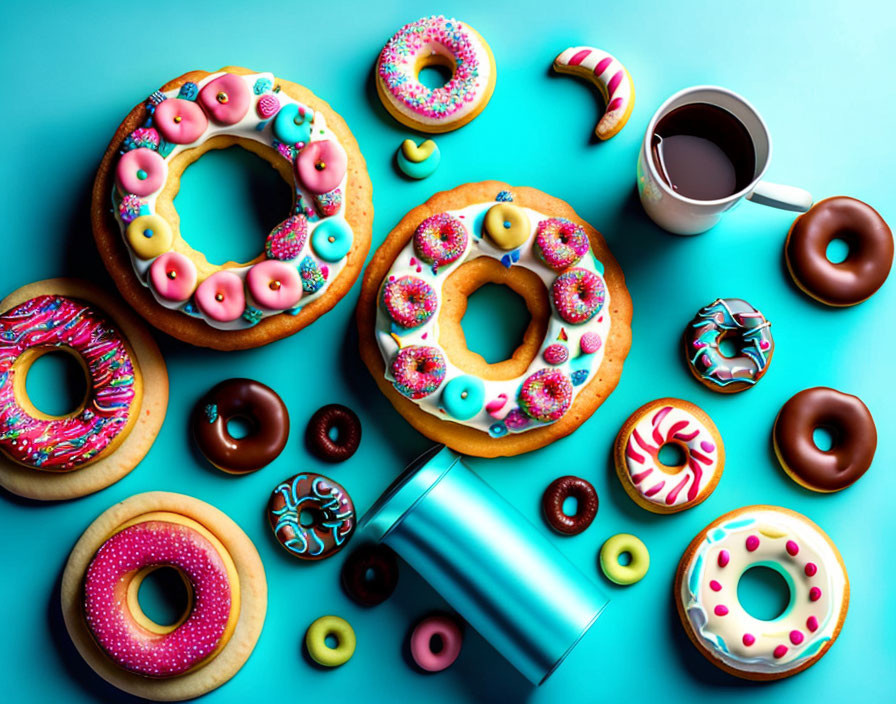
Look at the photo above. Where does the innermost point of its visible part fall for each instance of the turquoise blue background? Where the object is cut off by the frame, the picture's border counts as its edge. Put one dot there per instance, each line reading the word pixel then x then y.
pixel 821 74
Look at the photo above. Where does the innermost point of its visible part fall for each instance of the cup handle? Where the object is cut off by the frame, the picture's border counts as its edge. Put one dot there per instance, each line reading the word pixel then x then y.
pixel 784 197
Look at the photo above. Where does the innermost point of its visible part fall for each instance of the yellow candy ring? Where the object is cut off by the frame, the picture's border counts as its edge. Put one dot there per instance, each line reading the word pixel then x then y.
pixel 316 641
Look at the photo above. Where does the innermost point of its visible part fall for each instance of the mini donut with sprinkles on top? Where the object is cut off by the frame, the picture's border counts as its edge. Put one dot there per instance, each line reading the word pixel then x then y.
pixel 706 593
pixel 304 265
pixel 415 293
pixel 435 41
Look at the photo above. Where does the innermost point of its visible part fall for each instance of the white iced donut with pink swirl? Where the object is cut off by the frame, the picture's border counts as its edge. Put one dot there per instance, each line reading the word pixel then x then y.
pixel 682 427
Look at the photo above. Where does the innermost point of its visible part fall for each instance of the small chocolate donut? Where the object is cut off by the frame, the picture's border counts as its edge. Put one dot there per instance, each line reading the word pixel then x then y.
pixel 865 268
pixel 256 403
pixel 552 504
pixel 854 442
pixel 348 433
pixel 370 574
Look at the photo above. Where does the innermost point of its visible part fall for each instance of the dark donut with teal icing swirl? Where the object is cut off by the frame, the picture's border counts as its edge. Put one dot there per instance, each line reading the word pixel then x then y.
pixel 735 320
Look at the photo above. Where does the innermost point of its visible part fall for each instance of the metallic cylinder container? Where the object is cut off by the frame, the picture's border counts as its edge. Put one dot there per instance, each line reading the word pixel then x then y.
pixel 496 569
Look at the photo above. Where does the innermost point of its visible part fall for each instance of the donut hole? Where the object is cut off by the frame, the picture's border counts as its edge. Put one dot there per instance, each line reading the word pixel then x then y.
pixel 494 322
pixel 309 517
pixel 624 558
pixel 435 75
pixel 728 346
pixel 229 200
pixel 56 382
pixel 763 592
pixel 331 640
pixel 240 427
pixel 436 643
pixel 570 506
pixel 671 456
pixel 163 596
pixel 825 437
pixel 333 433
pixel 370 575
pixel 840 247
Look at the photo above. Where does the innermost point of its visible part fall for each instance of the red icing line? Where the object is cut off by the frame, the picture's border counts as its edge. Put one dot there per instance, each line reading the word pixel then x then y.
pixel 614 82
pixel 672 495
pixel 700 457
pixel 638 439
pixel 632 453
pixel 655 488
pixel 686 437
pixel 695 486
pixel 614 104
pixel 638 478
pixel 579 57
pixel 602 65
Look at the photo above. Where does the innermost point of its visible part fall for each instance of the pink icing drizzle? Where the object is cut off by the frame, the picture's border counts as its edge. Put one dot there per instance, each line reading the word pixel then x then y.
pixel 579 57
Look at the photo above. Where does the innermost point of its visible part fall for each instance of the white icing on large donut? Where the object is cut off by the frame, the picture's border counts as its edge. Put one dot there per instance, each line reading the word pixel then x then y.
pixel 793 546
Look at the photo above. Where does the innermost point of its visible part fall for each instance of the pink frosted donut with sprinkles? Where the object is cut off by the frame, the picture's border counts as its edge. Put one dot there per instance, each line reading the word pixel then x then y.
pixel 440 239
pixel 409 301
pixel 418 371
pixel 609 76
pixel 578 295
pixel 115 388
pixel 112 580
pixel 560 243
pixel 435 41
pixel 794 547
pixel 683 429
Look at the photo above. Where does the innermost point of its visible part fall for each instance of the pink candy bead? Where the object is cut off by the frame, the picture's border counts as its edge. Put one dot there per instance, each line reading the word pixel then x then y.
pixel 814 594
pixel 590 342
pixel 724 557
pixel 274 285
pixel 180 121
pixel 796 637
pixel 421 639
pixel 810 569
pixel 321 166
pixel 748 639
pixel 267 106
pixel 173 276
pixel 721 610
pixel 226 99
pixel 812 624
pixel 752 543
pixel 140 171
pixel 221 296
pixel 792 548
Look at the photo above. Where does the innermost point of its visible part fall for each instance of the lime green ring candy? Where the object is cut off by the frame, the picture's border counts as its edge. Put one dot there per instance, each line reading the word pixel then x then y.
pixel 463 397
pixel 316 641
pixel 635 570
pixel 332 239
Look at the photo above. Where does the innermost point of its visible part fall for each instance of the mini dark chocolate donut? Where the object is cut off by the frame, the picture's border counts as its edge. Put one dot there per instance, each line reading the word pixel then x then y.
pixel 865 268
pixel 854 439
pixel 348 433
pixel 370 574
pixel 552 504
pixel 252 401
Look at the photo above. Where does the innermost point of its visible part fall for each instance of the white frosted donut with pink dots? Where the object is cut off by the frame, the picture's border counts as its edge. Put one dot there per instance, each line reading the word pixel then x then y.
pixel 717 623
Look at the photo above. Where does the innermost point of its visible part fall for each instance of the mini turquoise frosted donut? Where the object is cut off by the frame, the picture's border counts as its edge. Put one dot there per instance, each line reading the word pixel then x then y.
pixel 635 570
pixel 332 239
pixel 293 124
pixel 418 161
pixel 463 397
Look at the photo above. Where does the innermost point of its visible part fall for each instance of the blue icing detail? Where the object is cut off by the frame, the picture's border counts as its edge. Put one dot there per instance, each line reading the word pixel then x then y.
pixel 504 197
pixel 262 85
pixel 188 91
pixel 211 412
pixel 476 225
pixel 261 125
pixel 814 647
pixel 694 580
pixel 717 534
pixel 721 643
pixel 598 264
pixel 252 315
pixel 582 361
pixel 496 430
pixel 579 376
pixel 742 523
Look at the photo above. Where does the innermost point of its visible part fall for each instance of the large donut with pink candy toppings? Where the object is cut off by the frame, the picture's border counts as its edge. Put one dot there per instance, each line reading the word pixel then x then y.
pixel 305 264
pixel 707 592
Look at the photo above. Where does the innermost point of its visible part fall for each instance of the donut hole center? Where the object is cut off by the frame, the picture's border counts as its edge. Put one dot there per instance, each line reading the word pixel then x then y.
pixel 163 596
pixel 728 346
pixel 763 592
pixel 333 433
pixel 671 456
pixel 331 640
pixel 839 248
pixel 240 427
pixel 436 643
pixel 309 517
pixel 825 437
pixel 494 322
pixel 370 575
pixel 56 382
pixel 229 200
pixel 570 506
pixel 625 558
pixel 435 70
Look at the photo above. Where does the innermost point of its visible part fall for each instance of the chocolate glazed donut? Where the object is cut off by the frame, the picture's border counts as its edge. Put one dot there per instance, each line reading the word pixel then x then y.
pixel 855 439
pixel 552 504
pixel 370 574
pixel 247 399
pixel 348 433
pixel 870 251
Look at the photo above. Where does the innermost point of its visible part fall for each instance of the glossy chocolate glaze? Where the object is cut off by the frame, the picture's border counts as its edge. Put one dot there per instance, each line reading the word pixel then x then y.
pixel 855 438
pixel 870 251
pixel 552 504
pixel 241 398
pixel 383 564
pixel 348 433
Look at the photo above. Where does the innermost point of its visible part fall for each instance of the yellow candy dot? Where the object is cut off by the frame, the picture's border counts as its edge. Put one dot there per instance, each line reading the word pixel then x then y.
pixel 507 226
pixel 149 236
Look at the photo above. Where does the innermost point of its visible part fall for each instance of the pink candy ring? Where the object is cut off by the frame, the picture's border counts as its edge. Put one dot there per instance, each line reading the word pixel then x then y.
pixel 180 121
pixel 578 295
pixel 560 243
pixel 417 370
pixel 221 296
pixel 226 99
pixel 321 166
pixel 440 239
pixel 409 301
pixel 274 285
pixel 141 172
pixel 173 276
pixel 446 630
pixel 546 395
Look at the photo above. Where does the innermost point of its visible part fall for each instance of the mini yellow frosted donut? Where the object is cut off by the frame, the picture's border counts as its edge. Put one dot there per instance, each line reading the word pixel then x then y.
pixel 316 641
pixel 507 226
pixel 149 236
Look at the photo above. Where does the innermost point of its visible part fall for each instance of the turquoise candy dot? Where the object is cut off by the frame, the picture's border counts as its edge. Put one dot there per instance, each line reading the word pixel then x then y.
pixel 286 128
pixel 148 233
pixel 332 239
pixel 420 169
pixel 142 175
pixel 463 397
pixel 497 430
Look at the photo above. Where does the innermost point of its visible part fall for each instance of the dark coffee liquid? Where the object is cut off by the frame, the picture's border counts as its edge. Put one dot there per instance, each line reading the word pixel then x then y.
pixel 703 152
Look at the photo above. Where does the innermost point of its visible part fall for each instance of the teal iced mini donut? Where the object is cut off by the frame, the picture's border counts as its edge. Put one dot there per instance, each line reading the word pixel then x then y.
pixel 332 239
pixel 293 124
pixel 418 161
pixel 463 397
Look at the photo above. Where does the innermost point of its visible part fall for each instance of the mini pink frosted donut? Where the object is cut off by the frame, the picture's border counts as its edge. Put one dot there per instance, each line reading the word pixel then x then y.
pixel 560 243
pixel 440 239
pixel 226 99
pixel 221 296
pixel 421 643
pixel 150 544
pixel 274 285
pixel 556 353
pixel 173 276
pixel 546 395
pixel 578 295
pixel 417 370
pixel 140 171
pixel 321 166
pixel 590 342
pixel 409 301
pixel 180 121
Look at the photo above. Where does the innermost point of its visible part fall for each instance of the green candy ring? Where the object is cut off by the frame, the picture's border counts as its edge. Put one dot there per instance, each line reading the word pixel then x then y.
pixel 463 397
pixel 316 641
pixel 635 570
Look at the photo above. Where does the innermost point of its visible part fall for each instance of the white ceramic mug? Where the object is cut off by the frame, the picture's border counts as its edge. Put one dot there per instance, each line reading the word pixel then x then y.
pixel 688 216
